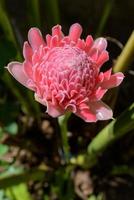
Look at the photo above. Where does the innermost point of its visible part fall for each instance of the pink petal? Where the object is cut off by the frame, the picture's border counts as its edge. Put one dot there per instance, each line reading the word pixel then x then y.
pixel 56 30
pixel 71 107
pixel 48 39
pixel 98 94
pixel 101 110
pixel 35 38
pixel 89 42
pixel 28 69
pixel 107 74
pixel 75 32
pixel 40 100
pixel 114 81
pixel 93 54
pixel 17 71
pixel 100 78
pixel 103 57
pixel 54 41
pixel 100 44
pixel 98 47
pixel 85 113
pixel 27 51
pixel 54 110
pixel 80 44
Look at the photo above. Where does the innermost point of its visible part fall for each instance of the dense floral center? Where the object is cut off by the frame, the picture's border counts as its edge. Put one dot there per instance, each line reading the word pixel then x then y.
pixel 68 58
pixel 67 73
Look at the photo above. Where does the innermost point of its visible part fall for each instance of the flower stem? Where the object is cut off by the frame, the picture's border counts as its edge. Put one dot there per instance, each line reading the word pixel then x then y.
pixel 9 180
pixel 104 18
pixel 63 128
pixel 6 78
pixel 34 9
pixel 7 27
pixel 108 135
pixel 126 57
pixel 52 6
pixel 112 132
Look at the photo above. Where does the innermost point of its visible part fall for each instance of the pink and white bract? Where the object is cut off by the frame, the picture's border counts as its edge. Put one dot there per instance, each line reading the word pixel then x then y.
pixel 64 72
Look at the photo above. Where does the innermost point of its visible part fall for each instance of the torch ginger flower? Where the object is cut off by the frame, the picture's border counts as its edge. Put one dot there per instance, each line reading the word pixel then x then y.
pixel 64 72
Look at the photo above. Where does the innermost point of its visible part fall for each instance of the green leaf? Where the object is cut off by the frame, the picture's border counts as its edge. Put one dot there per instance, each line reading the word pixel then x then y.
pixel 7 52
pixel 113 131
pixel 1 132
pixel 33 8
pixel 3 149
pixel 3 196
pixel 52 10
pixel 9 179
pixel 123 170
pixel 19 192
pixel 104 16
pixel 10 109
pixel 11 171
pixel 11 128
pixel 6 24
pixel 92 197
pixel 46 197
pixel 100 196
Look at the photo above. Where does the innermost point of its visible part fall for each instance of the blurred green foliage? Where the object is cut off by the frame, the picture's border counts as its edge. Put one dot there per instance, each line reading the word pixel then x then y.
pixel 18 110
pixel 6 56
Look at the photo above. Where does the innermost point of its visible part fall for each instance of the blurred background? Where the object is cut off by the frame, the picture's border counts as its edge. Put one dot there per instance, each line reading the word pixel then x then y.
pixel 31 160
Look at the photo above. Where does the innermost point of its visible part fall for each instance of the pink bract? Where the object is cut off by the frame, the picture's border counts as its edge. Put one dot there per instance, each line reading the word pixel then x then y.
pixel 64 72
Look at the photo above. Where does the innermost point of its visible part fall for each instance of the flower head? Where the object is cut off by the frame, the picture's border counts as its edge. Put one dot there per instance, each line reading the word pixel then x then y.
pixel 64 72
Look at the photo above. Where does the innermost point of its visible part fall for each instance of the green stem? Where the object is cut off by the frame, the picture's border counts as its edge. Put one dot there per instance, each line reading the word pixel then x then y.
pixel 32 108
pixel 34 10
pixel 35 105
pixel 105 15
pixel 14 89
pixel 22 177
pixel 112 132
pixel 63 128
pixel 8 30
pixel 53 11
pixel 16 192
pixel 123 170
pixel 126 57
pixel 7 27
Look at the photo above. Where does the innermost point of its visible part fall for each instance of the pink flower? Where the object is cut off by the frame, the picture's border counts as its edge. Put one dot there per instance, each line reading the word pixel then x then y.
pixel 64 72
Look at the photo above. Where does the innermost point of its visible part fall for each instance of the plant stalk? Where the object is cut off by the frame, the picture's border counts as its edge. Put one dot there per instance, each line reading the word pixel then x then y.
pixel 126 57
pixel 105 15
pixel 8 30
pixel 34 9
pixel 112 132
pixel 9 83
pixel 11 180
pixel 63 128
pixel 108 135
pixel 53 11
pixel 7 27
